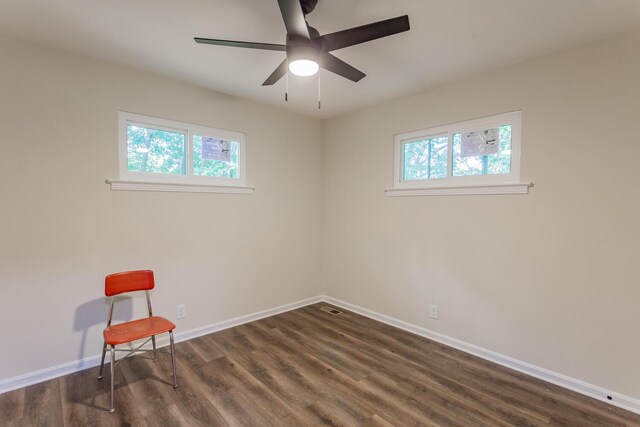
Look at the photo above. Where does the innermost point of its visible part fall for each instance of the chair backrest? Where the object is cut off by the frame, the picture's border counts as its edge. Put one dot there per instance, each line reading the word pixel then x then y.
pixel 128 281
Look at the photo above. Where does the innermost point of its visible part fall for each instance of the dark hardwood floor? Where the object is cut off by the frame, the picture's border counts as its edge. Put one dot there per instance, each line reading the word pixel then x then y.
pixel 304 368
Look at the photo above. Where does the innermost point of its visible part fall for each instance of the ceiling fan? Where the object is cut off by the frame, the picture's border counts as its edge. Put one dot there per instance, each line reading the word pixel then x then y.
pixel 307 50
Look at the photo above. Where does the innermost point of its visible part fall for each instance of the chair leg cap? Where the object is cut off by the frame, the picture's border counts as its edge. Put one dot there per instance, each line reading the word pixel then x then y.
pixel 99 378
pixel 112 410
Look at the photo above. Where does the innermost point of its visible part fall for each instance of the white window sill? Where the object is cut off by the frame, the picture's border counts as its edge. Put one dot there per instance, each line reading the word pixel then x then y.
pixel 515 188
pixel 123 185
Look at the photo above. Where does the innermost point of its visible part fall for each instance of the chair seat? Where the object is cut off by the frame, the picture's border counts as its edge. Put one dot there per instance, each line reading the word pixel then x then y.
pixel 136 329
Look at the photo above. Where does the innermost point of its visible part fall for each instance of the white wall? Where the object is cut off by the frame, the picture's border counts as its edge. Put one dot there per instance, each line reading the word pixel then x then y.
pixel 62 230
pixel 548 278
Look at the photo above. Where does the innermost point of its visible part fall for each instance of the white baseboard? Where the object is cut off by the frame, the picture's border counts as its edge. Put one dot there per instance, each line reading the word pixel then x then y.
pixel 594 391
pixel 561 380
pixel 93 361
pixel 48 373
pixel 241 320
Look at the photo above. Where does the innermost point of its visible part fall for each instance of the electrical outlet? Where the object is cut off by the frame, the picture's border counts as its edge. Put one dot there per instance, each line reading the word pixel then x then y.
pixel 433 311
pixel 181 311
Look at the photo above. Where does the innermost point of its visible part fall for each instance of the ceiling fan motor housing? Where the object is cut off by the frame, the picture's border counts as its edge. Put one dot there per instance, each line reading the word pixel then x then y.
pixel 298 47
pixel 308 5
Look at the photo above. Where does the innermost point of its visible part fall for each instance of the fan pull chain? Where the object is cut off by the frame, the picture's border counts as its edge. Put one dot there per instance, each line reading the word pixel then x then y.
pixel 286 80
pixel 319 101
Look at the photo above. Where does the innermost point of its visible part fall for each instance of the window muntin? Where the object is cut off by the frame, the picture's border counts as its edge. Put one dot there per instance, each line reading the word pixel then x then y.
pixel 166 151
pixel 414 157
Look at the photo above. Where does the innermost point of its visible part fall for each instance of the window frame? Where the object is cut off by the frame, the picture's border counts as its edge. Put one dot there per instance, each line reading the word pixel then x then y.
pixel 189 130
pixel 513 177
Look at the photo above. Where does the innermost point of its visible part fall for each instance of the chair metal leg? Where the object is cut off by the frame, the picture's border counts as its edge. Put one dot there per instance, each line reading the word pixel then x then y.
pixel 173 359
pixel 104 352
pixel 113 378
pixel 153 341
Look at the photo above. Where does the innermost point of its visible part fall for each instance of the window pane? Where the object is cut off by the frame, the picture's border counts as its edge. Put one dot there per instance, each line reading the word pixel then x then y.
pixel 215 157
pixel 501 162
pixel 490 164
pixel 155 151
pixel 426 159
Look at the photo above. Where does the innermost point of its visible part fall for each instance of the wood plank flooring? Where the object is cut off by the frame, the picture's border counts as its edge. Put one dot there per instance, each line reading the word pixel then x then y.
pixel 306 368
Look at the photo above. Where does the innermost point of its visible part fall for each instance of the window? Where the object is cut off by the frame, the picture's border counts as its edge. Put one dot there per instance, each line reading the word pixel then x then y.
pixel 472 157
pixel 165 155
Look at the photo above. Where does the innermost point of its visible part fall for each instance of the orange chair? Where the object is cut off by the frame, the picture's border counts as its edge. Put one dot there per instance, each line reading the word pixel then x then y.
pixel 149 327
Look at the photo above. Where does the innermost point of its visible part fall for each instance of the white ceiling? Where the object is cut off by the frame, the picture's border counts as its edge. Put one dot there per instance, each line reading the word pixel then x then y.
pixel 449 39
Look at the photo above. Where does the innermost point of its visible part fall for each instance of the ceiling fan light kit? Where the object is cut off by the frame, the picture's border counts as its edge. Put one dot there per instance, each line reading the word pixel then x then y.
pixel 303 60
pixel 307 51
pixel 304 67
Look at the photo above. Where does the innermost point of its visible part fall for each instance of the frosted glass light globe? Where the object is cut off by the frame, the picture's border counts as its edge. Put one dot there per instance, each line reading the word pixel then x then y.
pixel 303 67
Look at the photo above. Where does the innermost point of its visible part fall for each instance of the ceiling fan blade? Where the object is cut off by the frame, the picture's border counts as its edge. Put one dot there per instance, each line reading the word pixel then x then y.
pixel 365 33
pixel 340 67
pixel 277 74
pixel 234 43
pixel 294 19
